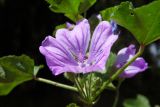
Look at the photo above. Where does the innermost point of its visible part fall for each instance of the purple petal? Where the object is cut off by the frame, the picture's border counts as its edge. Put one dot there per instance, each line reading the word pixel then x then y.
pixel 124 55
pixel 67 52
pixel 57 57
pixel 139 65
pixel 101 43
pixel 76 40
pixel 128 50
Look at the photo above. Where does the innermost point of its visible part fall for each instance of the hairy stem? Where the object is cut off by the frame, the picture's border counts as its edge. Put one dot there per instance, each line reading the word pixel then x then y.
pixel 118 72
pixel 57 84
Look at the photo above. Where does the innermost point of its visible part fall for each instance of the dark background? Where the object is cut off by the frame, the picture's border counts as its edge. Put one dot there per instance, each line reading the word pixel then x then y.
pixel 25 23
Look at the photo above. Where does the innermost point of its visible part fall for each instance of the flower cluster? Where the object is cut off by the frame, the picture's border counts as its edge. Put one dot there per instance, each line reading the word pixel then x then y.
pixel 74 50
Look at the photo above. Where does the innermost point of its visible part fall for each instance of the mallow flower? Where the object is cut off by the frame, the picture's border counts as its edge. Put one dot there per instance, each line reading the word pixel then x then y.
pixel 123 56
pixel 73 49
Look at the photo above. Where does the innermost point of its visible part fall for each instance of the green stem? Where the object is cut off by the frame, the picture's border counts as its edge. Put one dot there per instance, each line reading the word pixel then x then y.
pixel 57 84
pixel 117 73
pixel 117 93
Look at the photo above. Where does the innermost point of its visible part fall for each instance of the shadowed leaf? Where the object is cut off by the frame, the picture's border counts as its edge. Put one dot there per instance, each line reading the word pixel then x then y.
pixel 15 70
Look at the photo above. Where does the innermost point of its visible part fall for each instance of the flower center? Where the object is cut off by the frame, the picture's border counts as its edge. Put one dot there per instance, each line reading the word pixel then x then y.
pixel 81 59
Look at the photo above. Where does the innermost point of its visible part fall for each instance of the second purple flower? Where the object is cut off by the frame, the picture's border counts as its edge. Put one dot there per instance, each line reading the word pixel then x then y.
pixel 124 55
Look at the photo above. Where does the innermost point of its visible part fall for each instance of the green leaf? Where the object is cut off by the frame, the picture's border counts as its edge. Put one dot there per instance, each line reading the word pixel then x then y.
pixel 64 6
pixel 140 101
pixel 142 22
pixel 74 18
pixel 71 8
pixel 67 7
pixel 85 5
pixel 15 70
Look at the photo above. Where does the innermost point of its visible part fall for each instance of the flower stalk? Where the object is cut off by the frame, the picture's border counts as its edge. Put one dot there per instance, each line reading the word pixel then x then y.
pixel 57 84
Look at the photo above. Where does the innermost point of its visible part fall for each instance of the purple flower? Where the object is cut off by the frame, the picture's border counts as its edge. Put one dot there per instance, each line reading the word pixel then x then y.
pixel 124 55
pixel 67 52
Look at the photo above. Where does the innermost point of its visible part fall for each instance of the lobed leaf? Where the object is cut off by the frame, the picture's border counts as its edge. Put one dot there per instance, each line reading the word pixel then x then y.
pixel 71 8
pixel 143 22
pixel 15 70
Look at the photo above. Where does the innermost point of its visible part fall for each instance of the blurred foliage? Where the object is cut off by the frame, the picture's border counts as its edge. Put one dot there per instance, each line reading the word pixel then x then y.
pixel 140 101
pixel 155 54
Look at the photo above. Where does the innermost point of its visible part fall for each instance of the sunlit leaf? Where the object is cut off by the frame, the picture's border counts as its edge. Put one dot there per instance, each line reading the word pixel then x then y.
pixel 142 22
pixel 67 7
pixel 71 8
